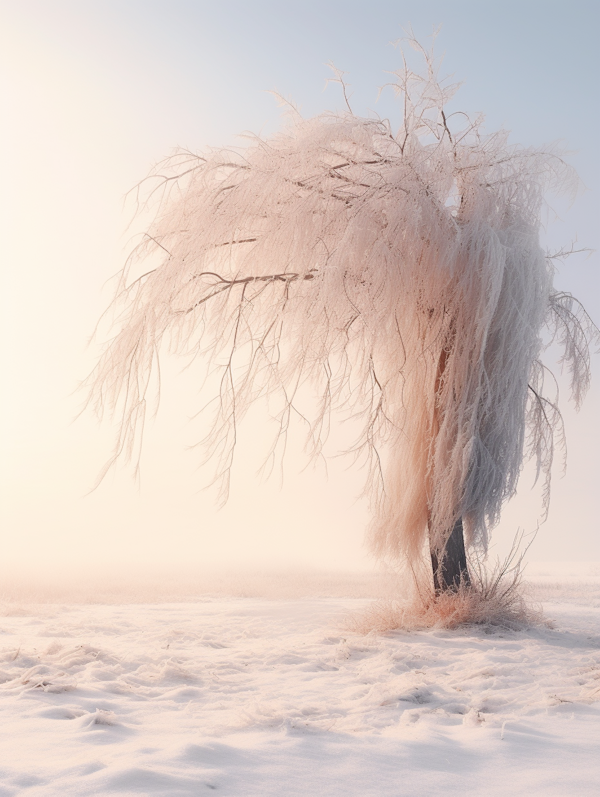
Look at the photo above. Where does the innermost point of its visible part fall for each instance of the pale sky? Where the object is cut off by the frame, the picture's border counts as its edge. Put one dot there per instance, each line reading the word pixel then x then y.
pixel 93 94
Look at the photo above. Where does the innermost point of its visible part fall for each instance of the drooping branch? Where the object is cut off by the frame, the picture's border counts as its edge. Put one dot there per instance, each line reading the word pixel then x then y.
pixel 225 284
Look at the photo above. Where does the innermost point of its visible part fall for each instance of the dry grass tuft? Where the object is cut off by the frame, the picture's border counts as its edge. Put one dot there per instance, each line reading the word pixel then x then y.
pixel 495 598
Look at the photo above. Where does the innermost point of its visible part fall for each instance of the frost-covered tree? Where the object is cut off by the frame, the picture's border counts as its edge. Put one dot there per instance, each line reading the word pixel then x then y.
pixel 399 274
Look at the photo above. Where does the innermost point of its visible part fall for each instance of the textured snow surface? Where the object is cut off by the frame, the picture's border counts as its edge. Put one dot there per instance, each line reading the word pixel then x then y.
pixel 273 697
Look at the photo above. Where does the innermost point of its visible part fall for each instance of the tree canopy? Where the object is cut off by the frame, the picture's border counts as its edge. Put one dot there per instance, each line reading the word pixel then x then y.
pixel 399 273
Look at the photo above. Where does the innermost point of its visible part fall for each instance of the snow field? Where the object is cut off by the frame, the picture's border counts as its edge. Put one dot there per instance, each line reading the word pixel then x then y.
pixel 274 697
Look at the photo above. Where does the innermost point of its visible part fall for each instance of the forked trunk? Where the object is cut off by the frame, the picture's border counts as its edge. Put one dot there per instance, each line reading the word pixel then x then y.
pixel 450 568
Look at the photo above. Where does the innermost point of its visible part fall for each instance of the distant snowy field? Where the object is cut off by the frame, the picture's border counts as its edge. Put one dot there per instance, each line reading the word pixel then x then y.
pixel 253 686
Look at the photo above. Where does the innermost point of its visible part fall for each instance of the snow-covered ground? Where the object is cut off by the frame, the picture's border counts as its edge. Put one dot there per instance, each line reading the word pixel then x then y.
pixel 275 696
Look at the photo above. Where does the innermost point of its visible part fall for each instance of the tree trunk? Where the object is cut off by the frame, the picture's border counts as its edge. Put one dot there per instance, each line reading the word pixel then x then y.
pixel 450 569
pixel 449 565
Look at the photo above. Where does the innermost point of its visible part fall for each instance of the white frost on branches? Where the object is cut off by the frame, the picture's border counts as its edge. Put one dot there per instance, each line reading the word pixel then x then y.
pixel 400 274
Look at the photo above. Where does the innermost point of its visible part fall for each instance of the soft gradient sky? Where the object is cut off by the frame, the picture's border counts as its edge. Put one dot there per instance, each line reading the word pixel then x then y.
pixel 93 94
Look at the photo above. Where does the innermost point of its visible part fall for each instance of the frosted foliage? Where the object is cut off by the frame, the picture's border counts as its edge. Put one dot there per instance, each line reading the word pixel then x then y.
pixel 400 275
